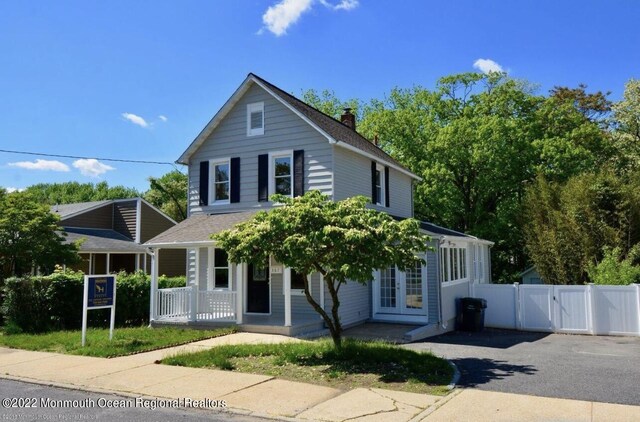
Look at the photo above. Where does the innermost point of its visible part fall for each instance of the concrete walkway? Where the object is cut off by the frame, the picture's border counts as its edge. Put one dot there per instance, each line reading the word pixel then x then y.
pixel 260 395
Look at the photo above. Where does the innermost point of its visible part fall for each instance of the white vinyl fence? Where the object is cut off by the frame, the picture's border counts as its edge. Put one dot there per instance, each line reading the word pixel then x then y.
pixel 599 310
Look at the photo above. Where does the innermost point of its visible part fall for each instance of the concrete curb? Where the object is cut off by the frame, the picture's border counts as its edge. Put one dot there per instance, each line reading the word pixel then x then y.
pixel 456 376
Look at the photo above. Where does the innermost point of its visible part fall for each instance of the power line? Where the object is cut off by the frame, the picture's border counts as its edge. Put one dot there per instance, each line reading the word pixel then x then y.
pixel 120 160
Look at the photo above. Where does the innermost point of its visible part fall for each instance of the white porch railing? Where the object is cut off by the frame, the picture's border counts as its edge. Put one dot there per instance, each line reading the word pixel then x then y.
pixel 178 304
pixel 174 303
pixel 216 305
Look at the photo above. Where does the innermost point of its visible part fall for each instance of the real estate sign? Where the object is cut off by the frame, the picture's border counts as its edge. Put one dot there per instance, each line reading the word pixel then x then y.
pixel 99 293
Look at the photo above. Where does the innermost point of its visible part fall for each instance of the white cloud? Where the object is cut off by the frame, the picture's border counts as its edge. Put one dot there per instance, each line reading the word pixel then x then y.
pixel 91 167
pixel 163 117
pixel 487 66
pixel 47 165
pixel 285 13
pixel 11 190
pixel 135 119
pixel 343 5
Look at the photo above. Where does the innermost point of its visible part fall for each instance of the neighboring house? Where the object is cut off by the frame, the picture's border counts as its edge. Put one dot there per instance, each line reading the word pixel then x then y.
pixel 531 276
pixel 265 141
pixel 111 234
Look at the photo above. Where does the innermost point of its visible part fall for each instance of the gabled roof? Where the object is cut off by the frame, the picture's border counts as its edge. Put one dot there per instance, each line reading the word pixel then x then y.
pixel 67 210
pixel 335 131
pixel 102 240
pixel 198 229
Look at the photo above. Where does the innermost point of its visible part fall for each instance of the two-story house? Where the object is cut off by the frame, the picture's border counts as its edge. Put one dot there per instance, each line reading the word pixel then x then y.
pixel 265 141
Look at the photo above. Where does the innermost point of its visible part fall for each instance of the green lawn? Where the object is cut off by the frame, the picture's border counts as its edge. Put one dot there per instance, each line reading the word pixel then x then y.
pixel 125 340
pixel 358 364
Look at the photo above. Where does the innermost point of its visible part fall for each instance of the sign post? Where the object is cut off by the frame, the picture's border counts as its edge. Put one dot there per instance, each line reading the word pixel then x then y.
pixel 99 293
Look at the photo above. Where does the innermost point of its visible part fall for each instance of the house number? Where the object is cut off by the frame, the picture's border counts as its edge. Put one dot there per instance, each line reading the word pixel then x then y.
pixel 276 269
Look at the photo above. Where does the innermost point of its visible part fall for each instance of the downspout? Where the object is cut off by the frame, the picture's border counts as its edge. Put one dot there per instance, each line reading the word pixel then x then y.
pixel 443 325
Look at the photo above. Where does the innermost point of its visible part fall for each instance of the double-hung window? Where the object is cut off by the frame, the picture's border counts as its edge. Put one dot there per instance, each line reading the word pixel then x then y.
pixel 379 181
pixel 255 119
pixel 220 269
pixel 281 178
pixel 220 187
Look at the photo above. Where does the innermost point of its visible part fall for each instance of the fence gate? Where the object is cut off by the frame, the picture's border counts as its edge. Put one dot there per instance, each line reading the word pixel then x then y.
pixel 572 310
pixel 536 307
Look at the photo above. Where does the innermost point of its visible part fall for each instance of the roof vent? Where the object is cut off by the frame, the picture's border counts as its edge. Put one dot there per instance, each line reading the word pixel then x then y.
pixel 348 118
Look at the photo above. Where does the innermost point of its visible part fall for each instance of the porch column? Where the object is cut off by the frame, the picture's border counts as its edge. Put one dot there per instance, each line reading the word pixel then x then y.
pixel 286 278
pixel 194 287
pixel 210 265
pixel 322 291
pixel 108 263
pixel 239 271
pixel 154 285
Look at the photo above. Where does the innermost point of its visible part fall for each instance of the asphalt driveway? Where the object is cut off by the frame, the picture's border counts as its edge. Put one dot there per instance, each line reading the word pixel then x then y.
pixel 604 369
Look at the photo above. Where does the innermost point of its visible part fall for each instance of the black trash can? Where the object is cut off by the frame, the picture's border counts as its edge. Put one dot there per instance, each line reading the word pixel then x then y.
pixel 471 314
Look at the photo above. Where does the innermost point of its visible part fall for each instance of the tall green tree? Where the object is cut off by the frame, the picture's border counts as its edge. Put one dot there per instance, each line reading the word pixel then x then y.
pixel 169 193
pixel 344 241
pixel 569 226
pixel 30 236
pixel 477 140
pixel 626 120
pixel 71 192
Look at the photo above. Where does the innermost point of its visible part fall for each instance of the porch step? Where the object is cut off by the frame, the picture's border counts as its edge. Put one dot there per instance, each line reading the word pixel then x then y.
pixel 196 325
pixel 295 330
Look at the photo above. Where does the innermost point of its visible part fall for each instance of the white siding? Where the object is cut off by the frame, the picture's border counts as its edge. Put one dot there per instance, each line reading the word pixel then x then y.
pixel 353 177
pixel 284 130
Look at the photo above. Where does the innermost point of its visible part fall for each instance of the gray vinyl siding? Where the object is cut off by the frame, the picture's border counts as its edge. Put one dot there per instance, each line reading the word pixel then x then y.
pixel 284 130
pixel 432 282
pixel 355 303
pixel 100 218
pixel 352 173
pixel 124 218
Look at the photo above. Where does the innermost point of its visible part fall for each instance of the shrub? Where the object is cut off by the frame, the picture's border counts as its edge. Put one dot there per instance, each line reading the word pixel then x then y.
pixel 43 303
pixel 614 270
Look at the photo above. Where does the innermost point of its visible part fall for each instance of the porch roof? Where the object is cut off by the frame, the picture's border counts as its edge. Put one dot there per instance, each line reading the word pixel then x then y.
pixel 95 240
pixel 198 229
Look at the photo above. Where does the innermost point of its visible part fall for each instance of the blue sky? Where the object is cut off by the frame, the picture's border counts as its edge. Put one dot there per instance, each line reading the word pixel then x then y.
pixel 139 80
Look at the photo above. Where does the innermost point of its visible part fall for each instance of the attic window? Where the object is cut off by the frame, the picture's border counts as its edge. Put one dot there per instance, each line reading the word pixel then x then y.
pixel 255 119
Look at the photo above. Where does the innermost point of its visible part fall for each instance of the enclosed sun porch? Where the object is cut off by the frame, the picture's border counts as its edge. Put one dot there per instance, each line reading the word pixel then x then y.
pixel 268 298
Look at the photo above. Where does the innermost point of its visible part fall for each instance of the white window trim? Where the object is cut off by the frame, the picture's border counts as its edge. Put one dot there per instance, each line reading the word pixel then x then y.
pixel 448 252
pixel 272 170
pixel 381 200
pixel 250 109
pixel 299 292
pixel 212 181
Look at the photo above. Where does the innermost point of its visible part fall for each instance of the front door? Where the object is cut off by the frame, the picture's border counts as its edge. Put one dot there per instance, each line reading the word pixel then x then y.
pixel 402 292
pixel 258 294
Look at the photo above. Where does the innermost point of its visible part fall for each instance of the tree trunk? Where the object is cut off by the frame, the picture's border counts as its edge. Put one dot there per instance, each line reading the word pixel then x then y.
pixel 333 321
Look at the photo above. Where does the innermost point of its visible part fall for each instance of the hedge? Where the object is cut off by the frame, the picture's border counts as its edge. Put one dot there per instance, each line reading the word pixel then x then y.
pixel 38 304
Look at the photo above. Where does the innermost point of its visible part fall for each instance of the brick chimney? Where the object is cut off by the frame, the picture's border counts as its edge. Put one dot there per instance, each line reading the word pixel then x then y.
pixel 348 118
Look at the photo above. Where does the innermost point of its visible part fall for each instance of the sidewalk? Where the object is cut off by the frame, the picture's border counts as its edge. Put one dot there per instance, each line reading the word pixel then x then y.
pixel 265 396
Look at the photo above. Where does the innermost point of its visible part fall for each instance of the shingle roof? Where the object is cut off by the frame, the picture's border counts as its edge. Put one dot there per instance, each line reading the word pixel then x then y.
pixel 336 129
pixel 199 228
pixel 102 240
pixel 69 209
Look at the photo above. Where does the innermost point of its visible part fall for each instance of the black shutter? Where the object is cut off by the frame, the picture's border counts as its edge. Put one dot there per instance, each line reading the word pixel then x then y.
pixel 235 180
pixel 386 186
pixel 374 196
pixel 298 172
pixel 263 177
pixel 204 183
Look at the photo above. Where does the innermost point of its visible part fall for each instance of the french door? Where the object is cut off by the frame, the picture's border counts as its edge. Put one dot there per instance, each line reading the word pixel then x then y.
pixel 402 292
